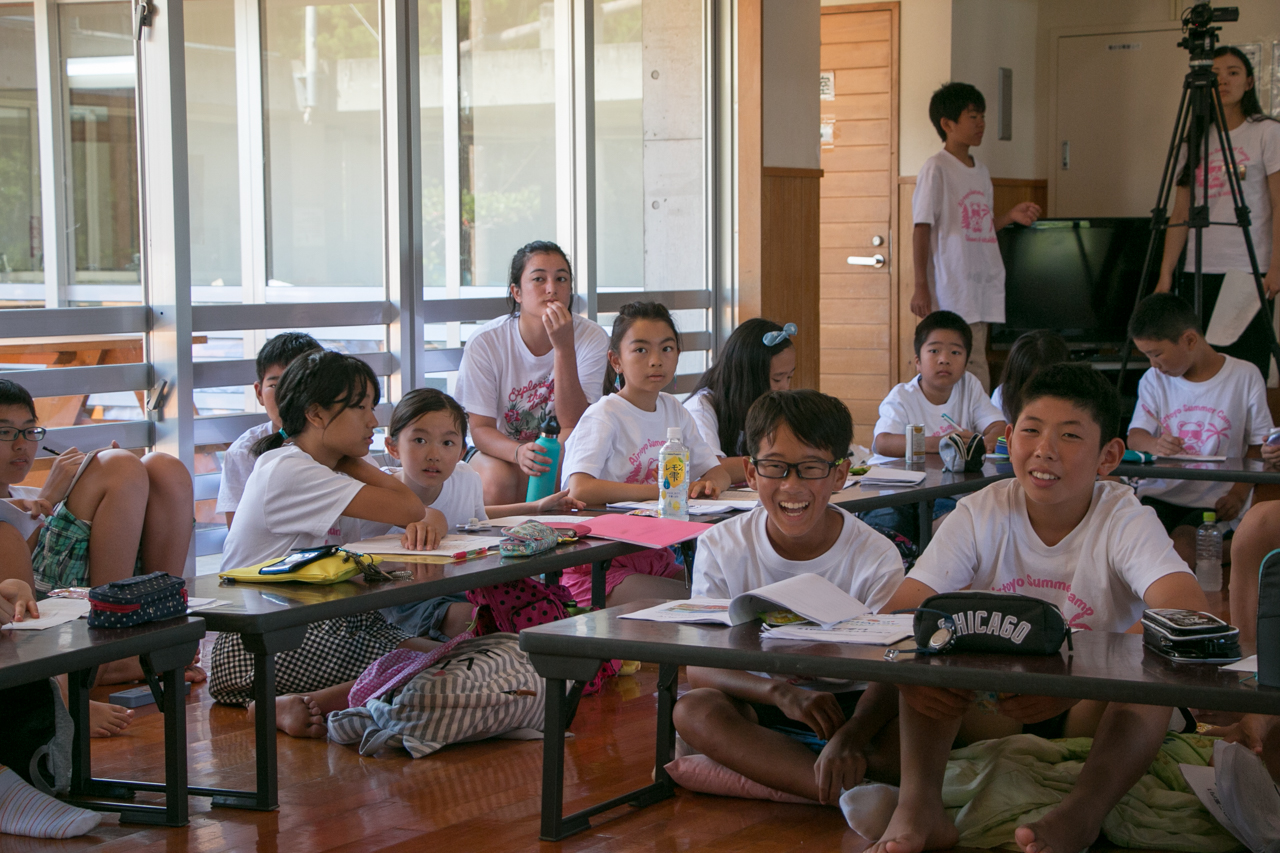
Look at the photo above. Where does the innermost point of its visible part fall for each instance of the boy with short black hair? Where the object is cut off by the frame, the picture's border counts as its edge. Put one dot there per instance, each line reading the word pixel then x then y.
pixel 810 738
pixel 1194 400
pixel 957 262
pixel 1058 533
pixel 237 462
pixel 943 396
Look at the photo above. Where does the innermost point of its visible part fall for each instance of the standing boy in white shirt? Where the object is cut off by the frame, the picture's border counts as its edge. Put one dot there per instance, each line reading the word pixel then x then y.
pixel 1059 534
pixel 957 262
pixel 1194 401
pixel 798 441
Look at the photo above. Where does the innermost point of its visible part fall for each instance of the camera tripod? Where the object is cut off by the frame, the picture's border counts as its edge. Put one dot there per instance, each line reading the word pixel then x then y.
pixel 1200 114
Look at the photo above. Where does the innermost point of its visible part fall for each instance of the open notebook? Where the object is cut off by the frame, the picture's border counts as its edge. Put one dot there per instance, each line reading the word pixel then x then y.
pixel 811 596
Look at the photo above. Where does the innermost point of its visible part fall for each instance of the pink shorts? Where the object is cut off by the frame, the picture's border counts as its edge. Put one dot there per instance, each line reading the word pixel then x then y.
pixel 656 561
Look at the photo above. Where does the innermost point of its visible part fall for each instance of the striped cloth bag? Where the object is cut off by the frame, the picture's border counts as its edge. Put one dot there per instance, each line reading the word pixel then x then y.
pixel 485 687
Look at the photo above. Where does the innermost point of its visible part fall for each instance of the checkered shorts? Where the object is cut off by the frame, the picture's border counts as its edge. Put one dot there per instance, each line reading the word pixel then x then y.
pixel 332 652
pixel 61 558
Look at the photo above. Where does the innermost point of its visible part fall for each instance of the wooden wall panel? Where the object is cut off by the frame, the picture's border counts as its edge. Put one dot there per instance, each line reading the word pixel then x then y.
pixel 789 283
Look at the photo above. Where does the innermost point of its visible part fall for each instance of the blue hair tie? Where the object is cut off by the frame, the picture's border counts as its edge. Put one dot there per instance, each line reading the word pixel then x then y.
pixel 284 434
pixel 772 339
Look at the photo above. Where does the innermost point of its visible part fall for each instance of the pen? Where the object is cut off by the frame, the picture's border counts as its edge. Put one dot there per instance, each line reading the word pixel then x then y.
pixel 951 421
pixel 48 449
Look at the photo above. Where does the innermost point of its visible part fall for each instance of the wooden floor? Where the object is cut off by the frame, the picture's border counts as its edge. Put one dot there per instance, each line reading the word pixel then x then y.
pixel 472 798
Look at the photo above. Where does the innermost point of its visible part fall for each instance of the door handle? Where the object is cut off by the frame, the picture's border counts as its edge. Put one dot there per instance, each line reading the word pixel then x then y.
pixel 876 260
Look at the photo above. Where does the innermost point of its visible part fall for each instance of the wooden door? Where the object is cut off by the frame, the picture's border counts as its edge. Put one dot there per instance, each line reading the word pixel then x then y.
pixel 859 307
pixel 1115 103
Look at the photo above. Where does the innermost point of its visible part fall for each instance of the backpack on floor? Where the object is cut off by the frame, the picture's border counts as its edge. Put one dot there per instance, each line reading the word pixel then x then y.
pixel 484 687
pixel 38 734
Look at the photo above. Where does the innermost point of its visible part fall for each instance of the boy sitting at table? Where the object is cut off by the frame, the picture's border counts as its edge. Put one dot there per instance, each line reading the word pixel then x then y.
pixel 1197 401
pixel 807 737
pixel 1058 533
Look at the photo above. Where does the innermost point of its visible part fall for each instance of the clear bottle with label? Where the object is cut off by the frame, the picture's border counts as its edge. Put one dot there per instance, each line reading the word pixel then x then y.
pixel 673 477
pixel 1209 554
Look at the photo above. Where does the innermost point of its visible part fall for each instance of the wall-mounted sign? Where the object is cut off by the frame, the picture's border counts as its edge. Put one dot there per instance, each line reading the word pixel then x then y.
pixel 827 85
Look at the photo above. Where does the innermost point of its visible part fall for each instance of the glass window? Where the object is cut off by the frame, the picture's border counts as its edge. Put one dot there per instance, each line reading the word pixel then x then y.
pixel 619 146
pixel 102 157
pixel 21 257
pixel 431 95
pixel 323 92
pixel 213 150
pixel 507 145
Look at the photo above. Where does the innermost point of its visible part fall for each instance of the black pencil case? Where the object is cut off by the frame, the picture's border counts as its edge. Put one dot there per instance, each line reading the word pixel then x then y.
pixel 1189 635
pixel 133 601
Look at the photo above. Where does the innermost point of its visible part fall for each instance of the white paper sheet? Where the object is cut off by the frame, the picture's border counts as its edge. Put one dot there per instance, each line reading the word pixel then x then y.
pixel 694 610
pixel 879 476
pixel 513 520
pixel 1235 309
pixel 53 611
pixel 1249 664
pixel 1187 457
pixel 453 545
pixel 870 630
pixel 194 604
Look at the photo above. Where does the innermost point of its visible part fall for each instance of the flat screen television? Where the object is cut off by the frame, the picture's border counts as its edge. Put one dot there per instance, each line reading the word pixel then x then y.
pixel 1076 276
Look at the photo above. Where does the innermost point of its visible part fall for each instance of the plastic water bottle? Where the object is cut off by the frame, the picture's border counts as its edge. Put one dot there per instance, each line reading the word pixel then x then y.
pixel 673 477
pixel 544 485
pixel 1209 554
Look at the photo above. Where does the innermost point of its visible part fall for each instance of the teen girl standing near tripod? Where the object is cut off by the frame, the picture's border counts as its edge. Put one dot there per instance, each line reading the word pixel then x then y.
pixel 1256 139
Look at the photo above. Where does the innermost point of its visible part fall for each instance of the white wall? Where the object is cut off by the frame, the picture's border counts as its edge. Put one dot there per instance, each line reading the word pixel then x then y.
pixel 987 35
pixel 924 59
pixel 790 115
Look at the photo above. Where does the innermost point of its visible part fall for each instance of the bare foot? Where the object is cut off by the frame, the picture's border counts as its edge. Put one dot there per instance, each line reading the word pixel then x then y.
pixel 913 829
pixel 194 674
pixel 120 672
pixel 298 716
pixel 1057 832
pixel 108 720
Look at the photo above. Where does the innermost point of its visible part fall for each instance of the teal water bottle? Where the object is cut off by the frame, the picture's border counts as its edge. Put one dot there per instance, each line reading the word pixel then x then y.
pixel 544 485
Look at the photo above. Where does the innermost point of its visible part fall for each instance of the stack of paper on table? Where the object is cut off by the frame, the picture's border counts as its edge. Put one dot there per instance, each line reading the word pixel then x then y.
pixel 697 506
pixel 53 611
pixel 879 476
pixel 455 546
pixel 874 629
pixel 811 596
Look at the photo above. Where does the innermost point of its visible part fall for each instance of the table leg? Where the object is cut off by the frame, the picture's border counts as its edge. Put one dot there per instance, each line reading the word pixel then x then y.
pixel 598 571
pixel 925 530
pixel 666 739
pixel 82 782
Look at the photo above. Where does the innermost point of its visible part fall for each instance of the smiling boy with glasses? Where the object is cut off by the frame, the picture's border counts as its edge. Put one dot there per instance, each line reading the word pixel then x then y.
pixel 809 737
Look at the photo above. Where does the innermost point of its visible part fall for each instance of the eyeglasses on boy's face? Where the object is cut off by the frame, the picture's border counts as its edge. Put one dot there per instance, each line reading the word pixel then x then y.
pixel 772 469
pixel 30 433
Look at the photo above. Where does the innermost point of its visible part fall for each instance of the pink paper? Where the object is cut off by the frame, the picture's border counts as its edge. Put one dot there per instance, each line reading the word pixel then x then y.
pixel 649 532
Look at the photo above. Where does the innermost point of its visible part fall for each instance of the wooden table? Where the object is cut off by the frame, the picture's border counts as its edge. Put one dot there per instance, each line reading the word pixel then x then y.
pixel 1105 666
pixel 273 618
pixel 1234 470
pixel 165 649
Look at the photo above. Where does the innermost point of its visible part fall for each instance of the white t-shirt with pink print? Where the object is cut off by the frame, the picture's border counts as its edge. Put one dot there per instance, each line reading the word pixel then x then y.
pixel 968 405
pixel 1221 416
pixel 617 441
pixel 1097 575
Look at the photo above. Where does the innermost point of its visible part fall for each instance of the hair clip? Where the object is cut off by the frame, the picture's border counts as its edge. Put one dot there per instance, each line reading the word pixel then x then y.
pixel 284 434
pixel 772 339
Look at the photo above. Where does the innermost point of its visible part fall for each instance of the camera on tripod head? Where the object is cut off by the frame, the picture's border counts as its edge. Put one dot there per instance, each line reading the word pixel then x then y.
pixel 1201 36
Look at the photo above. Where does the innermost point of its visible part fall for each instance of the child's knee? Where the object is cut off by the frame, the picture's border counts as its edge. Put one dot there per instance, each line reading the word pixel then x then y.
pixel 118 469
pixel 697 712
pixel 167 474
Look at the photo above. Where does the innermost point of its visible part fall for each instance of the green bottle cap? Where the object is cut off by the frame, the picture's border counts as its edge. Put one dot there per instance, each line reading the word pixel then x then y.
pixel 1210 517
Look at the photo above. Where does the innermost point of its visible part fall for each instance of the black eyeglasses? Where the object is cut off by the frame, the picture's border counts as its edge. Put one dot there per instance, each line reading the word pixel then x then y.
pixel 30 433
pixel 772 469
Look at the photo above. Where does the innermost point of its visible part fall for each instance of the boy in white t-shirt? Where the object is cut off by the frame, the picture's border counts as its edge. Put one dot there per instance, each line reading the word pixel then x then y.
pixel 807 737
pixel 1059 534
pixel 237 462
pixel 957 262
pixel 944 397
pixel 1194 401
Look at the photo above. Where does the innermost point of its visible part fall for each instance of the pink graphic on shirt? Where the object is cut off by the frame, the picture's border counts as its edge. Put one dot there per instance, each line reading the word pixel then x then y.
pixel 1218 173
pixel 644 464
pixel 527 408
pixel 975 218
pixel 945 429
pixel 1203 429
pixel 1077 610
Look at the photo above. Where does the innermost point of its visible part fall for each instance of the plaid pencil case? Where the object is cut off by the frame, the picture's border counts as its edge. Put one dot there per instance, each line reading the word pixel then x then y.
pixel 133 601
pixel 527 539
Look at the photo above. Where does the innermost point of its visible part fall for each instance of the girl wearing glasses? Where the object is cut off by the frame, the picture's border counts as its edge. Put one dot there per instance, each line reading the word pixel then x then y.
pixel 613 453
pixel 758 357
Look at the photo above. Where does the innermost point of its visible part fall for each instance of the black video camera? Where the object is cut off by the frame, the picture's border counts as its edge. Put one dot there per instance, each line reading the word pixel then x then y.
pixel 1201 36
pixel 1202 15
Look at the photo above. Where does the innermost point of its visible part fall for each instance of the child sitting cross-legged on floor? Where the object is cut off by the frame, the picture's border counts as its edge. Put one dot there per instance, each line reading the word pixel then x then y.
pixel 809 738
pixel 1059 534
